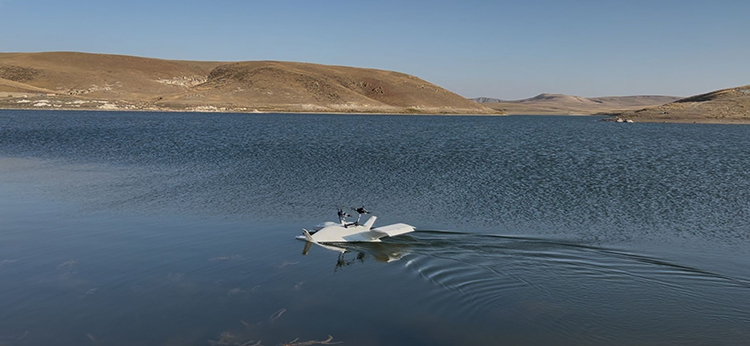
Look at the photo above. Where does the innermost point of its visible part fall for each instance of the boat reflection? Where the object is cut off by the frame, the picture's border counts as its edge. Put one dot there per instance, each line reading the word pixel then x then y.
pixel 380 252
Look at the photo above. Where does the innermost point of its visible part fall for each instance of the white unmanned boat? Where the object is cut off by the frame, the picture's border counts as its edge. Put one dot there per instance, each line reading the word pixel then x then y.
pixel 348 232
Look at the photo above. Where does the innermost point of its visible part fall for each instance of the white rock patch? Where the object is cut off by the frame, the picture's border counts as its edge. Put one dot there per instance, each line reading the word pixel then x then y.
pixel 108 106
pixel 183 81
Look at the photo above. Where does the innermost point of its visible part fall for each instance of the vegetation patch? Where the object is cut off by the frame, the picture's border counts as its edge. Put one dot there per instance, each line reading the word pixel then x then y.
pixel 18 73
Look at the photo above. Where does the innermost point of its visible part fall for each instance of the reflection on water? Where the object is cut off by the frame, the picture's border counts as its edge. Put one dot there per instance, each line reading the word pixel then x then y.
pixel 162 229
pixel 379 252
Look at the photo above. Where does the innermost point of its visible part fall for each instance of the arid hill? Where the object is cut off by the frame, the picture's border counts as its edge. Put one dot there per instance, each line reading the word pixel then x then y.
pixel 723 106
pixel 558 104
pixel 65 80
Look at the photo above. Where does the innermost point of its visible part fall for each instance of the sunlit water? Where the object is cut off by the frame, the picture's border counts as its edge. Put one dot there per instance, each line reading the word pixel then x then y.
pixel 178 229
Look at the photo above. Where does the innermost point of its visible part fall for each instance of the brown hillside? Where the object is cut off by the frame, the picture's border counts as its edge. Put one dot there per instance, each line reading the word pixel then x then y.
pixel 125 82
pixel 722 106
pixel 558 104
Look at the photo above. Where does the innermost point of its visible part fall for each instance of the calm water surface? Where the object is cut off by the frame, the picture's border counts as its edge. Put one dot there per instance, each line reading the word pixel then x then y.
pixel 178 229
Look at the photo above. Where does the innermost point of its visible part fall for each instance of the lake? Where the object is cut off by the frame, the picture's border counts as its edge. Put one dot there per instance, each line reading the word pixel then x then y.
pixel 122 228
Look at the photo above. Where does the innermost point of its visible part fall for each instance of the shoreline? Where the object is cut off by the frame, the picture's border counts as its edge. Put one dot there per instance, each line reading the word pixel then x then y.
pixel 704 121
pixel 230 111
pixel 612 118
pixel 68 103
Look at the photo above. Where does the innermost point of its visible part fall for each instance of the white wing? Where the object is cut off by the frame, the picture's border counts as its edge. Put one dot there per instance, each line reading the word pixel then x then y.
pixel 392 230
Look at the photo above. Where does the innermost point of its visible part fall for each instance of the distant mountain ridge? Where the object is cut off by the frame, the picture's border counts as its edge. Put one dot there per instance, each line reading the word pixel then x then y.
pixel 485 100
pixel 560 104
pixel 71 80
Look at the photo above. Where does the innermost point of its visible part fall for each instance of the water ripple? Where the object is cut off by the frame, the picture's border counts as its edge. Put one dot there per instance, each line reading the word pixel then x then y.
pixel 485 271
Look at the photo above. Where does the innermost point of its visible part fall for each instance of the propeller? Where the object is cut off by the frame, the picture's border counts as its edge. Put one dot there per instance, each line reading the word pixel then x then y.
pixel 361 210
pixel 342 213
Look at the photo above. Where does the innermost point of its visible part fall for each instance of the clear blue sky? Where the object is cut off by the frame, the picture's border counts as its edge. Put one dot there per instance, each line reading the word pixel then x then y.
pixel 505 49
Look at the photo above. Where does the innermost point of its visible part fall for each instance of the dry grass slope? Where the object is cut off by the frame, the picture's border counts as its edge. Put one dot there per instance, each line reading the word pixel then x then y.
pixel 83 80
pixel 723 106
